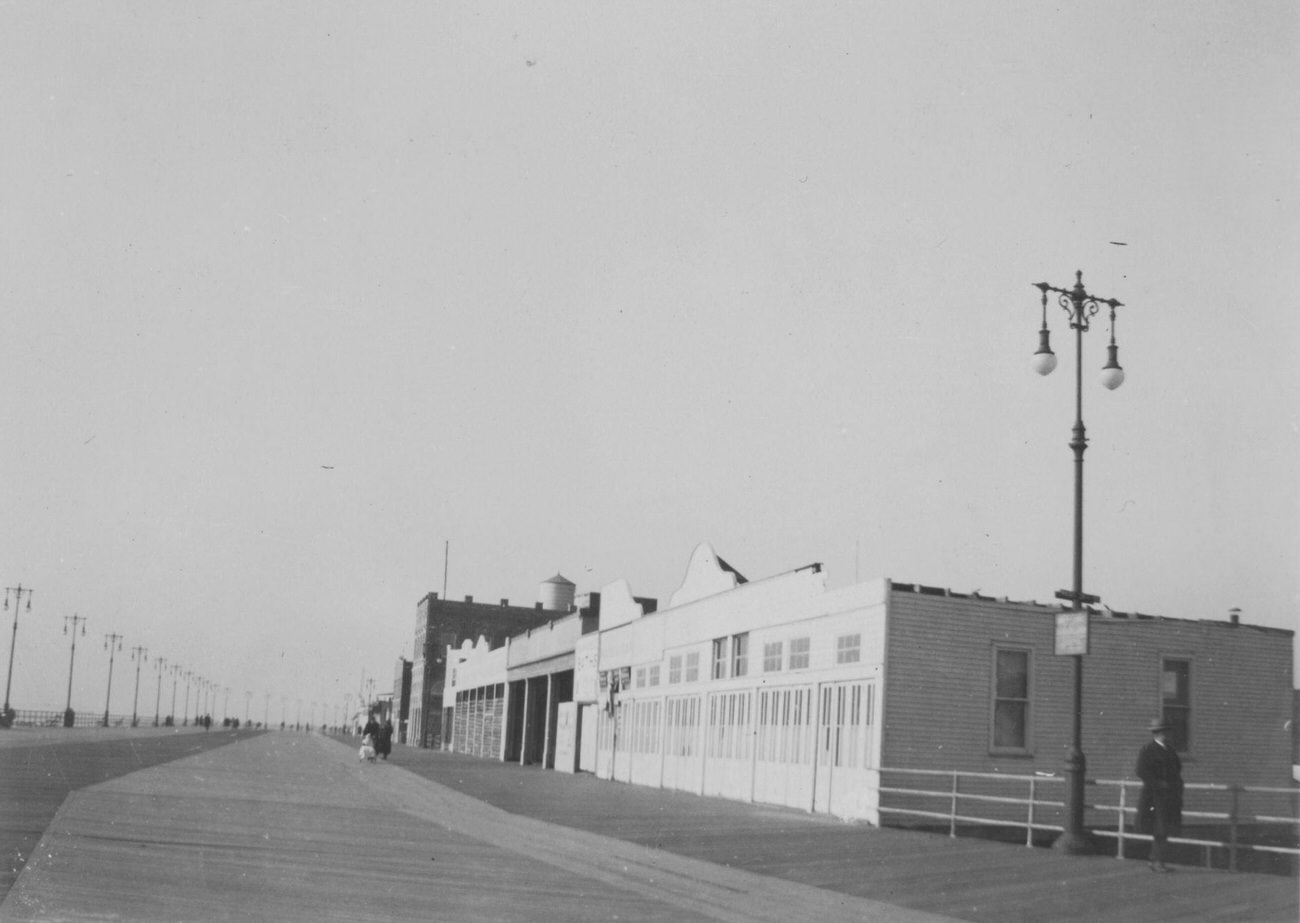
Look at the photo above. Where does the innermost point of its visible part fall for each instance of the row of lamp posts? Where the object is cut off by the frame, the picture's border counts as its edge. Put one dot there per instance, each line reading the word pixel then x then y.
pixel 1080 308
pixel 113 644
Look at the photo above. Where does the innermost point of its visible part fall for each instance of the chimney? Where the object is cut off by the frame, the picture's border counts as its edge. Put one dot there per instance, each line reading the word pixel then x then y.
pixel 1234 616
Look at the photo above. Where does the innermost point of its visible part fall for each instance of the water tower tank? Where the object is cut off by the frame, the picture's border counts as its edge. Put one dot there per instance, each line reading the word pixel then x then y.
pixel 556 594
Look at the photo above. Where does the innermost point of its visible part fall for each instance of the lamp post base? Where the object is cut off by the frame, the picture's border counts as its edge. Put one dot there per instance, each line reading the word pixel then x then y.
pixel 1073 844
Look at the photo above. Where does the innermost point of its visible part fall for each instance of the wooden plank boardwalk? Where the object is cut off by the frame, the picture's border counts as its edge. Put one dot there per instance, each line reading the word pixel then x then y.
pixel 966 878
pixel 289 826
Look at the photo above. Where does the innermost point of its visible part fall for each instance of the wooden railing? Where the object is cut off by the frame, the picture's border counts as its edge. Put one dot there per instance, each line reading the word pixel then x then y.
pixel 974 798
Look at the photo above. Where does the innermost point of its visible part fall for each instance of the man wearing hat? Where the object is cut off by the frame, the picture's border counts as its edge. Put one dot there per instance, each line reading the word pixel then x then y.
pixel 1160 808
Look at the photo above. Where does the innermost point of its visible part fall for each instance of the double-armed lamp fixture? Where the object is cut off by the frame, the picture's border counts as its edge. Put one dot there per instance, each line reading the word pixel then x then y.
pixel 1080 308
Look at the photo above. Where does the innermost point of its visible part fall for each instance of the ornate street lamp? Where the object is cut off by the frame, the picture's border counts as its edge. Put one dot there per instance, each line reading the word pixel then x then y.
pixel 1080 308
pixel 139 654
pixel 6 716
pixel 160 663
pixel 112 644
pixel 69 716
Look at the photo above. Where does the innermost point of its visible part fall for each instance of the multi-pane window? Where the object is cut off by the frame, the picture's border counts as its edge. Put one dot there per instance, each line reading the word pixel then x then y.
pixel 848 648
pixel 675 669
pixel 772 656
pixel 1010 699
pixel 799 653
pixel 740 654
pixel 1176 700
pixel 640 677
pixel 654 675
pixel 719 658
pixel 692 666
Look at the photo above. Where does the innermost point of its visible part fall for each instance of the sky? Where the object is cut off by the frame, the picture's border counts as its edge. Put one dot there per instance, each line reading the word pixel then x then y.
pixel 305 305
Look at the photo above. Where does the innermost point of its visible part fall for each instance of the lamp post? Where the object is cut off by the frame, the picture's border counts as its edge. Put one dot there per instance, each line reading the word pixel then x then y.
pixel 176 675
pixel 1080 308
pixel 69 717
pixel 248 703
pixel 189 674
pixel 17 592
pixel 112 644
pixel 160 664
pixel 139 654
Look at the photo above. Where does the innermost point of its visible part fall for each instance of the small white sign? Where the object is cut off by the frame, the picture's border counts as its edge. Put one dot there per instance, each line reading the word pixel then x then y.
pixel 1071 633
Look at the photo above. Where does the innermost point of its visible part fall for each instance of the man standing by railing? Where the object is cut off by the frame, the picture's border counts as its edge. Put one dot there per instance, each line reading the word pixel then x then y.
pixel 1160 807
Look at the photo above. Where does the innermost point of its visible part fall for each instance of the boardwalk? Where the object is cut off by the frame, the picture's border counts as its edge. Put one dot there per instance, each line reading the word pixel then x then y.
pixel 289 826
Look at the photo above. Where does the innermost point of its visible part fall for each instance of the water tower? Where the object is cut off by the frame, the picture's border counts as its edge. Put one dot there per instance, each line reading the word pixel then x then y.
pixel 556 594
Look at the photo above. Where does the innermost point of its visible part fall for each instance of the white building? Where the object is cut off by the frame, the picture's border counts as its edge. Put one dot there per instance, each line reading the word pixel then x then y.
pixel 782 691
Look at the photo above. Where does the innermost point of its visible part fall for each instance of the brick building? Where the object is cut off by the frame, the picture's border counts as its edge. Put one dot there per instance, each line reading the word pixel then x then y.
pixel 443 623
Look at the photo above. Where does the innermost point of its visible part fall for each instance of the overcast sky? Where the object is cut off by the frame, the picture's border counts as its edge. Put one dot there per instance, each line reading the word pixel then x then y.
pixel 295 294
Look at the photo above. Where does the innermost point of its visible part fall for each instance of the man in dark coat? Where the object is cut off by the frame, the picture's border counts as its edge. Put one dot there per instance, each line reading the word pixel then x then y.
pixel 1160 807
pixel 384 745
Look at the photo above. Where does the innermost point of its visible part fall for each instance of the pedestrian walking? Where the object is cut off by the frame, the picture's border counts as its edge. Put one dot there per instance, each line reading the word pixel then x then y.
pixel 385 742
pixel 1160 806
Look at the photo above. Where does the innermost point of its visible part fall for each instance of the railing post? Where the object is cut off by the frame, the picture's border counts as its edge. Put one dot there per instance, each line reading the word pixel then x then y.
pixel 1029 828
pixel 1123 804
pixel 1235 791
pixel 952 816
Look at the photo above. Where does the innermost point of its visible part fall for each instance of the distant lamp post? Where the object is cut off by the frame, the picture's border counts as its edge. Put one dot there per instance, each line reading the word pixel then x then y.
pixel 69 716
pixel 139 655
pixel 160 664
pixel 112 644
pixel 176 675
pixel 1080 307
pixel 6 716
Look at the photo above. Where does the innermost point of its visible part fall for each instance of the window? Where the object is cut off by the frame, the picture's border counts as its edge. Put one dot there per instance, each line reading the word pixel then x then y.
pixel 1176 701
pixel 740 654
pixel 675 669
pixel 640 677
pixel 719 658
pixel 799 653
pixel 848 648
pixel 772 657
pixel 654 675
pixel 693 667
pixel 1010 699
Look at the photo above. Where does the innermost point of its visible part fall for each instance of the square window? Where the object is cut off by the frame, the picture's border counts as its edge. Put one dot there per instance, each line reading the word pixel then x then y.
pixel 799 653
pixel 848 648
pixel 772 656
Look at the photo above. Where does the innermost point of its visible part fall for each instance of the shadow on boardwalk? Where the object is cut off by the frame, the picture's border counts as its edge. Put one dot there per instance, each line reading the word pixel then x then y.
pixel 967 878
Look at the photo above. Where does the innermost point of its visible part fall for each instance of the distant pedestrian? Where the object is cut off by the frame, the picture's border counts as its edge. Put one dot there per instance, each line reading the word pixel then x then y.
pixel 384 744
pixel 1160 807
pixel 371 729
